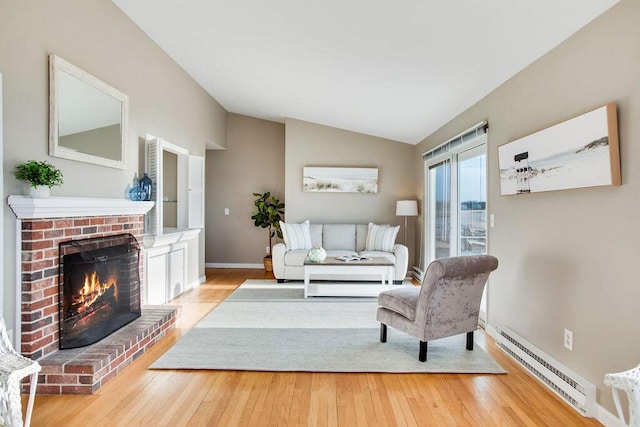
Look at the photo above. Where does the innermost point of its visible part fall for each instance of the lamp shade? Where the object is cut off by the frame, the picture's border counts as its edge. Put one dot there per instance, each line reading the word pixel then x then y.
pixel 407 208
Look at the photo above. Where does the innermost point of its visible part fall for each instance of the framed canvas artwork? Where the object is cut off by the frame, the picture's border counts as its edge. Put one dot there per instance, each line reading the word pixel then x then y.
pixel 580 152
pixel 340 180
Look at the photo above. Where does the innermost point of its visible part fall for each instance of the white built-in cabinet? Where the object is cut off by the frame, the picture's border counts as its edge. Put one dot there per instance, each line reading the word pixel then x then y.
pixel 166 272
pixel 175 221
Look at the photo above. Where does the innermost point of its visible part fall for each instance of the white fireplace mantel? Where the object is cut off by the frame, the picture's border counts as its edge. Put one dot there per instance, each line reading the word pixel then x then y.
pixel 65 207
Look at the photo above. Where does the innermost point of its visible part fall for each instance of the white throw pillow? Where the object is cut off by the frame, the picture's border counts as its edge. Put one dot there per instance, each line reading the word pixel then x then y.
pixel 381 237
pixel 296 236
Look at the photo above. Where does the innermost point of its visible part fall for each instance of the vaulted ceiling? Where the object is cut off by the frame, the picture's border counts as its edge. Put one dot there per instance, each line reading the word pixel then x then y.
pixel 397 70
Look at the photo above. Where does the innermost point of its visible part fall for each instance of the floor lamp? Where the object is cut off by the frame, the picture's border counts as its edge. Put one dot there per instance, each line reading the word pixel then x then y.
pixel 406 208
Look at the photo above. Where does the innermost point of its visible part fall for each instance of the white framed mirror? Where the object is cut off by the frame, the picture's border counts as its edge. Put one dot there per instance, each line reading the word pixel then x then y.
pixel 87 117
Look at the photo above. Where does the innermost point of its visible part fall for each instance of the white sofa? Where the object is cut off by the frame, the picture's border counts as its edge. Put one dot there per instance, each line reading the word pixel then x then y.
pixel 337 240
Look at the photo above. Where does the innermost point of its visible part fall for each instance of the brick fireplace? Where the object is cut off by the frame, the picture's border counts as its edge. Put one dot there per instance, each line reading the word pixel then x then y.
pixel 42 224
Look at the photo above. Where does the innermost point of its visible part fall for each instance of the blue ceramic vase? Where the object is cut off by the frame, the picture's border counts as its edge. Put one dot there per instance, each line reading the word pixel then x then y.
pixel 146 187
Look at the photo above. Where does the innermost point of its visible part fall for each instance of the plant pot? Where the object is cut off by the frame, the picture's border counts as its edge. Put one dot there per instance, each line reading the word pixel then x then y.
pixel 268 264
pixel 39 192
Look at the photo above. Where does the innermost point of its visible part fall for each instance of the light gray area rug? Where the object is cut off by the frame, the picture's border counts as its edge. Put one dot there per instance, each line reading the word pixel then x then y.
pixel 266 326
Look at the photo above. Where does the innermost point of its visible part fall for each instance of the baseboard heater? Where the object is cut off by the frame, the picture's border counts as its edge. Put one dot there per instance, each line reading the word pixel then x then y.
pixel 572 388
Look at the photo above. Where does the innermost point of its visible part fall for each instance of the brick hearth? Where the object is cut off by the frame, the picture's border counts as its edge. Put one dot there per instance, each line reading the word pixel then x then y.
pixel 43 225
pixel 84 370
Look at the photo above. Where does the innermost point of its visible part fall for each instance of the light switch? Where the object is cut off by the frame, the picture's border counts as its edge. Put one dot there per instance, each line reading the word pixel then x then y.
pixel 492 221
pixel 226 211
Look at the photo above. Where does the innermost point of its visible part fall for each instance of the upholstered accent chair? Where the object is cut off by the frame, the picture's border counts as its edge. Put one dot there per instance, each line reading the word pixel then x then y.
pixel 447 303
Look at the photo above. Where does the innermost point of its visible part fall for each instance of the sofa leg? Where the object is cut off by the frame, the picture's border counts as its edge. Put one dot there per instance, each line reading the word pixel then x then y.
pixel 383 332
pixel 422 356
pixel 470 340
pixel 280 280
pixel 398 282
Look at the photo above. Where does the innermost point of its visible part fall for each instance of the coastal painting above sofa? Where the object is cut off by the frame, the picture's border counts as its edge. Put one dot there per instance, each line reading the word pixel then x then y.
pixel 340 180
pixel 339 240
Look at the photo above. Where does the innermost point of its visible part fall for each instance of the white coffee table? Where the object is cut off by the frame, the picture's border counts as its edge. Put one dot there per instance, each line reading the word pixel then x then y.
pixel 332 266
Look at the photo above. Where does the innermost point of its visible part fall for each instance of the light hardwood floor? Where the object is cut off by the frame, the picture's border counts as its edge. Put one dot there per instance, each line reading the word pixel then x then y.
pixel 142 397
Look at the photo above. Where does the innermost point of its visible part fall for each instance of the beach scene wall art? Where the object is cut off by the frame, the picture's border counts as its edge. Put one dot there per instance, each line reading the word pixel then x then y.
pixel 340 180
pixel 580 152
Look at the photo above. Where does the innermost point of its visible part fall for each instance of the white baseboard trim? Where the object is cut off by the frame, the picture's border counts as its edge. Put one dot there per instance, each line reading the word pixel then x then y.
pixel 194 284
pixel 202 280
pixel 489 329
pixel 607 418
pixel 232 265
pixel 602 415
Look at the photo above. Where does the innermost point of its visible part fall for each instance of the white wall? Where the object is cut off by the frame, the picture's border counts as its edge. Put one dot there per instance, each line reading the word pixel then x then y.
pixel 252 163
pixel 100 39
pixel 567 258
pixel 1 210
pixel 309 144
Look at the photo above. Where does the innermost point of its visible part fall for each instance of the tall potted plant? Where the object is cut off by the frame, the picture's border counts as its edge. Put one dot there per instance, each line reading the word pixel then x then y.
pixel 41 176
pixel 268 214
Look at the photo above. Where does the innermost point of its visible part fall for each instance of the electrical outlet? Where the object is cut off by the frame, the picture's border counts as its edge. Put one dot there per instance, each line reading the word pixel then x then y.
pixel 268 250
pixel 226 211
pixel 568 340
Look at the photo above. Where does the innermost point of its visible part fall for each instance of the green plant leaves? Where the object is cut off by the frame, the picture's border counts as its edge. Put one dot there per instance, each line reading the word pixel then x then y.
pixel 268 213
pixel 39 173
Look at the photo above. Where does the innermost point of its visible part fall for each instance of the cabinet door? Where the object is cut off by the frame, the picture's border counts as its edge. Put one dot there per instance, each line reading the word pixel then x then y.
pixel 196 192
pixel 156 279
pixel 176 276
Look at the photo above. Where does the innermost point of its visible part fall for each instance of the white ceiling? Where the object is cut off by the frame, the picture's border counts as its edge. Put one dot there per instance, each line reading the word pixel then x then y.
pixel 393 69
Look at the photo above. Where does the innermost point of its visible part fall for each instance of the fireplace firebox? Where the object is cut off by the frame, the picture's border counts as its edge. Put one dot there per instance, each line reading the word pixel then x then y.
pixel 99 281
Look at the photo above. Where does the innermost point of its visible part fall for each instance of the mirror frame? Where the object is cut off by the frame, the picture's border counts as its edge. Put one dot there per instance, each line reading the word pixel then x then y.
pixel 57 64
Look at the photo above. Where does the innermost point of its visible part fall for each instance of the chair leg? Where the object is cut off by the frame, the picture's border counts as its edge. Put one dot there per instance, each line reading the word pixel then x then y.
pixel 383 332
pixel 422 356
pixel 32 395
pixel 470 340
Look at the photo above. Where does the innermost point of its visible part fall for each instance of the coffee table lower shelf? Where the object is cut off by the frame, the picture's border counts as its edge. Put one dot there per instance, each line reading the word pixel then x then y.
pixel 375 266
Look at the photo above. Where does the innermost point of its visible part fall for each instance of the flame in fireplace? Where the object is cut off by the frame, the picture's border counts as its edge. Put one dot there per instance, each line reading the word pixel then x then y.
pixel 93 289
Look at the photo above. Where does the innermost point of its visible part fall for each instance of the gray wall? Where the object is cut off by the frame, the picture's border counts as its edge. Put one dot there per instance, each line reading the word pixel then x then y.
pixel 252 163
pixel 309 144
pixel 567 257
pixel 97 37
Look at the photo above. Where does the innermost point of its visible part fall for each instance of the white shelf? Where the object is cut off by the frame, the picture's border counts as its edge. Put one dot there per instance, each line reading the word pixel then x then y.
pixel 60 207
pixel 168 237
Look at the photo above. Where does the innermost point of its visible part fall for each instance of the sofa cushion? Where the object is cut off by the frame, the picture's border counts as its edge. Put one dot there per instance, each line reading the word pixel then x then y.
pixel 296 236
pixel 401 300
pixel 381 237
pixel 316 234
pixel 339 236
pixel 379 254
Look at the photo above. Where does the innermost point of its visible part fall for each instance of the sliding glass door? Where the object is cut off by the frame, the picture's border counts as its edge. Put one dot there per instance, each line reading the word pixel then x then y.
pixel 456 202
pixel 472 206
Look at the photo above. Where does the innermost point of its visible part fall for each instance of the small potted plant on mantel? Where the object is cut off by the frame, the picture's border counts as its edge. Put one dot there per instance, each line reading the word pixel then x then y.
pixel 41 175
pixel 268 214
